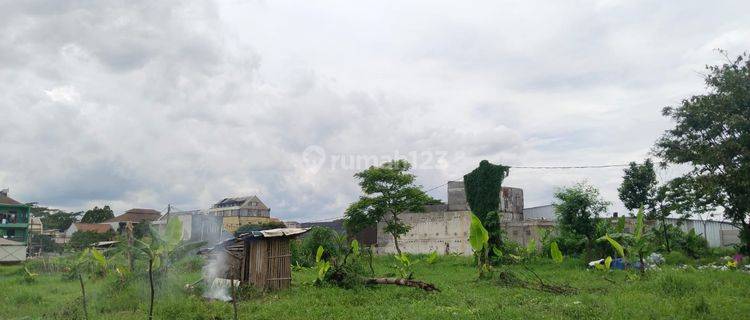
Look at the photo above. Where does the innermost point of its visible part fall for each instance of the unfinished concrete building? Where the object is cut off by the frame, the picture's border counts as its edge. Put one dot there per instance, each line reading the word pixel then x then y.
pixel 445 227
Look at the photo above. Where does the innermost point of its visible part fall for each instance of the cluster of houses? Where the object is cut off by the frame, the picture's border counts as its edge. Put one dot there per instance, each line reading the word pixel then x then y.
pixel 211 226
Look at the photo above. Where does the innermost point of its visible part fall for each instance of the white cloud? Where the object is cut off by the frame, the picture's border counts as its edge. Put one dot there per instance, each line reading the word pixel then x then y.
pixel 146 103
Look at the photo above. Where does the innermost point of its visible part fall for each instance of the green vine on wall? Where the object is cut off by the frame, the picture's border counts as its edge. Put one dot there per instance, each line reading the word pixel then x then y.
pixel 483 186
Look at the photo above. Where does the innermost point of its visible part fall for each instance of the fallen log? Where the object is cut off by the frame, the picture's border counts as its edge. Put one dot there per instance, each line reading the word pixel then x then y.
pixel 403 282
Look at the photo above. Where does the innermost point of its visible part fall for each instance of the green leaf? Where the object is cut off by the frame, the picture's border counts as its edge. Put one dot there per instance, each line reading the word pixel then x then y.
pixel 639 224
pixel 615 245
pixel 173 234
pixel 498 253
pixel 99 257
pixel 555 252
pixel 478 235
pixel 319 254
pixel 355 247
pixel 607 262
pixel 531 247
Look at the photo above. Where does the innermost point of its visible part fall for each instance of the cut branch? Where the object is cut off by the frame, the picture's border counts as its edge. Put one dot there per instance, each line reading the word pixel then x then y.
pixel 404 282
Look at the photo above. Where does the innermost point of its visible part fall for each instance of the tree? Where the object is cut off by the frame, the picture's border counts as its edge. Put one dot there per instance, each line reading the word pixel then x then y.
pixel 97 215
pixel 160 250
pixel 639 190
pixel 388 191
pixel 712 134
pixel 483 186
pixel 638 186
pixel 54 219
pixel 578 209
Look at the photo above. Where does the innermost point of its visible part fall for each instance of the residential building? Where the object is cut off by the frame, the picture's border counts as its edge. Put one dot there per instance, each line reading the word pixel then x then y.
pixel 134 216
pixel 91 227
pixel 14 219
pixel 239 211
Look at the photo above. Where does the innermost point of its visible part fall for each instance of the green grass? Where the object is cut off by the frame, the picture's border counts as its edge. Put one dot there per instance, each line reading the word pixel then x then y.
pixel 665 294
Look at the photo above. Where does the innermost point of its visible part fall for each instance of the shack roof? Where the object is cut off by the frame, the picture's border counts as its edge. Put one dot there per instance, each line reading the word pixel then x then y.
pixel 272 233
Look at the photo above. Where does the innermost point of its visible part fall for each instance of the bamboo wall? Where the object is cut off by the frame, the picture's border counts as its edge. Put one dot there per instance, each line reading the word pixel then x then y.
pixel 265 263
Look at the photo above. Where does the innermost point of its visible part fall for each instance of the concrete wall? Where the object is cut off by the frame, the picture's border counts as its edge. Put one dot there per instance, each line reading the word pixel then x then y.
pixel 444 232
pixel 511 200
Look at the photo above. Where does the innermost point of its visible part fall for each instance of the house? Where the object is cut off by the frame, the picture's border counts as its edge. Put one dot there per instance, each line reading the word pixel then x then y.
pixel 197 226
pixel 133 216
pixel 90 227
pixel 14 219
pixel 239 211
pixel 260 258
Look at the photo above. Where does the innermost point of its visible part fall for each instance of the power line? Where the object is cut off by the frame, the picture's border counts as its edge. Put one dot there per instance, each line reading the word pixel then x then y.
pixel 571 167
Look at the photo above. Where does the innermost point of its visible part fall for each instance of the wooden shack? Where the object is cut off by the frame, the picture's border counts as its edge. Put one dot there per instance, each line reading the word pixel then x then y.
pixel 262 258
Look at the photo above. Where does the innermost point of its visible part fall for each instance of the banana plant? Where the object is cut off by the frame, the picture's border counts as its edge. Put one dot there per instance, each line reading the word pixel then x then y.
pixel 479 240
pixel 159 250
pixel 405 266
pixel 640 242
pixel 321 265
pixel 91 261
pixel 432 257
pixel 555 253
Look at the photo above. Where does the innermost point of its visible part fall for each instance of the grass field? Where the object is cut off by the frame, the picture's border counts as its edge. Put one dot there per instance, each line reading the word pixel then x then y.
pixel 666 294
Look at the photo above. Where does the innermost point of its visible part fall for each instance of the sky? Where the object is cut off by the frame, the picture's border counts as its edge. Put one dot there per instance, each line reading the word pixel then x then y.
pixel 149 103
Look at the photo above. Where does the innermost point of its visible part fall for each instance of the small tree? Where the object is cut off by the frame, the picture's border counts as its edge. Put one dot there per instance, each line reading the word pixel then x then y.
pixel 97 215
pixel 578 209
pixel 388 191
pixel 91 261
pixel 159 250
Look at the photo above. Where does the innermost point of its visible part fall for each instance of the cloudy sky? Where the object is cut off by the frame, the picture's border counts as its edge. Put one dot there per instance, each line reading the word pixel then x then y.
pixel 145 103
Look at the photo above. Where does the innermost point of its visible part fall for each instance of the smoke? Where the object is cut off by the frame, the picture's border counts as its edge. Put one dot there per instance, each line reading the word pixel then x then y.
pixel 217 287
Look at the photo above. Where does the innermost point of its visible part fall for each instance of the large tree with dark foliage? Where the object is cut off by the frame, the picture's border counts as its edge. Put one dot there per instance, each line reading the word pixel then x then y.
pixel 483 186
pixel 98 215
pixel 388 191
pixel 578 209
pixel 53 219
pixel 712 134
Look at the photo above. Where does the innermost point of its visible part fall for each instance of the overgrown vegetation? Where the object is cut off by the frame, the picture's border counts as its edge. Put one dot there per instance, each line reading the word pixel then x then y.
pixel 483 186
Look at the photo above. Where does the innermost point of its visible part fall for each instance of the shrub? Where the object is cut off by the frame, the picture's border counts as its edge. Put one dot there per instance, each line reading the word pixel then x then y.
pixel 83 239
pixel 693 245
pixel 677 257
pixel 320 237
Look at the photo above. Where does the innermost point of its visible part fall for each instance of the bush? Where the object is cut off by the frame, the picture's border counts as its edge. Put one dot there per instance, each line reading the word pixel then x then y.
pixel 693 245
pixel 320 236
pixel 83 239
pixel 677 257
